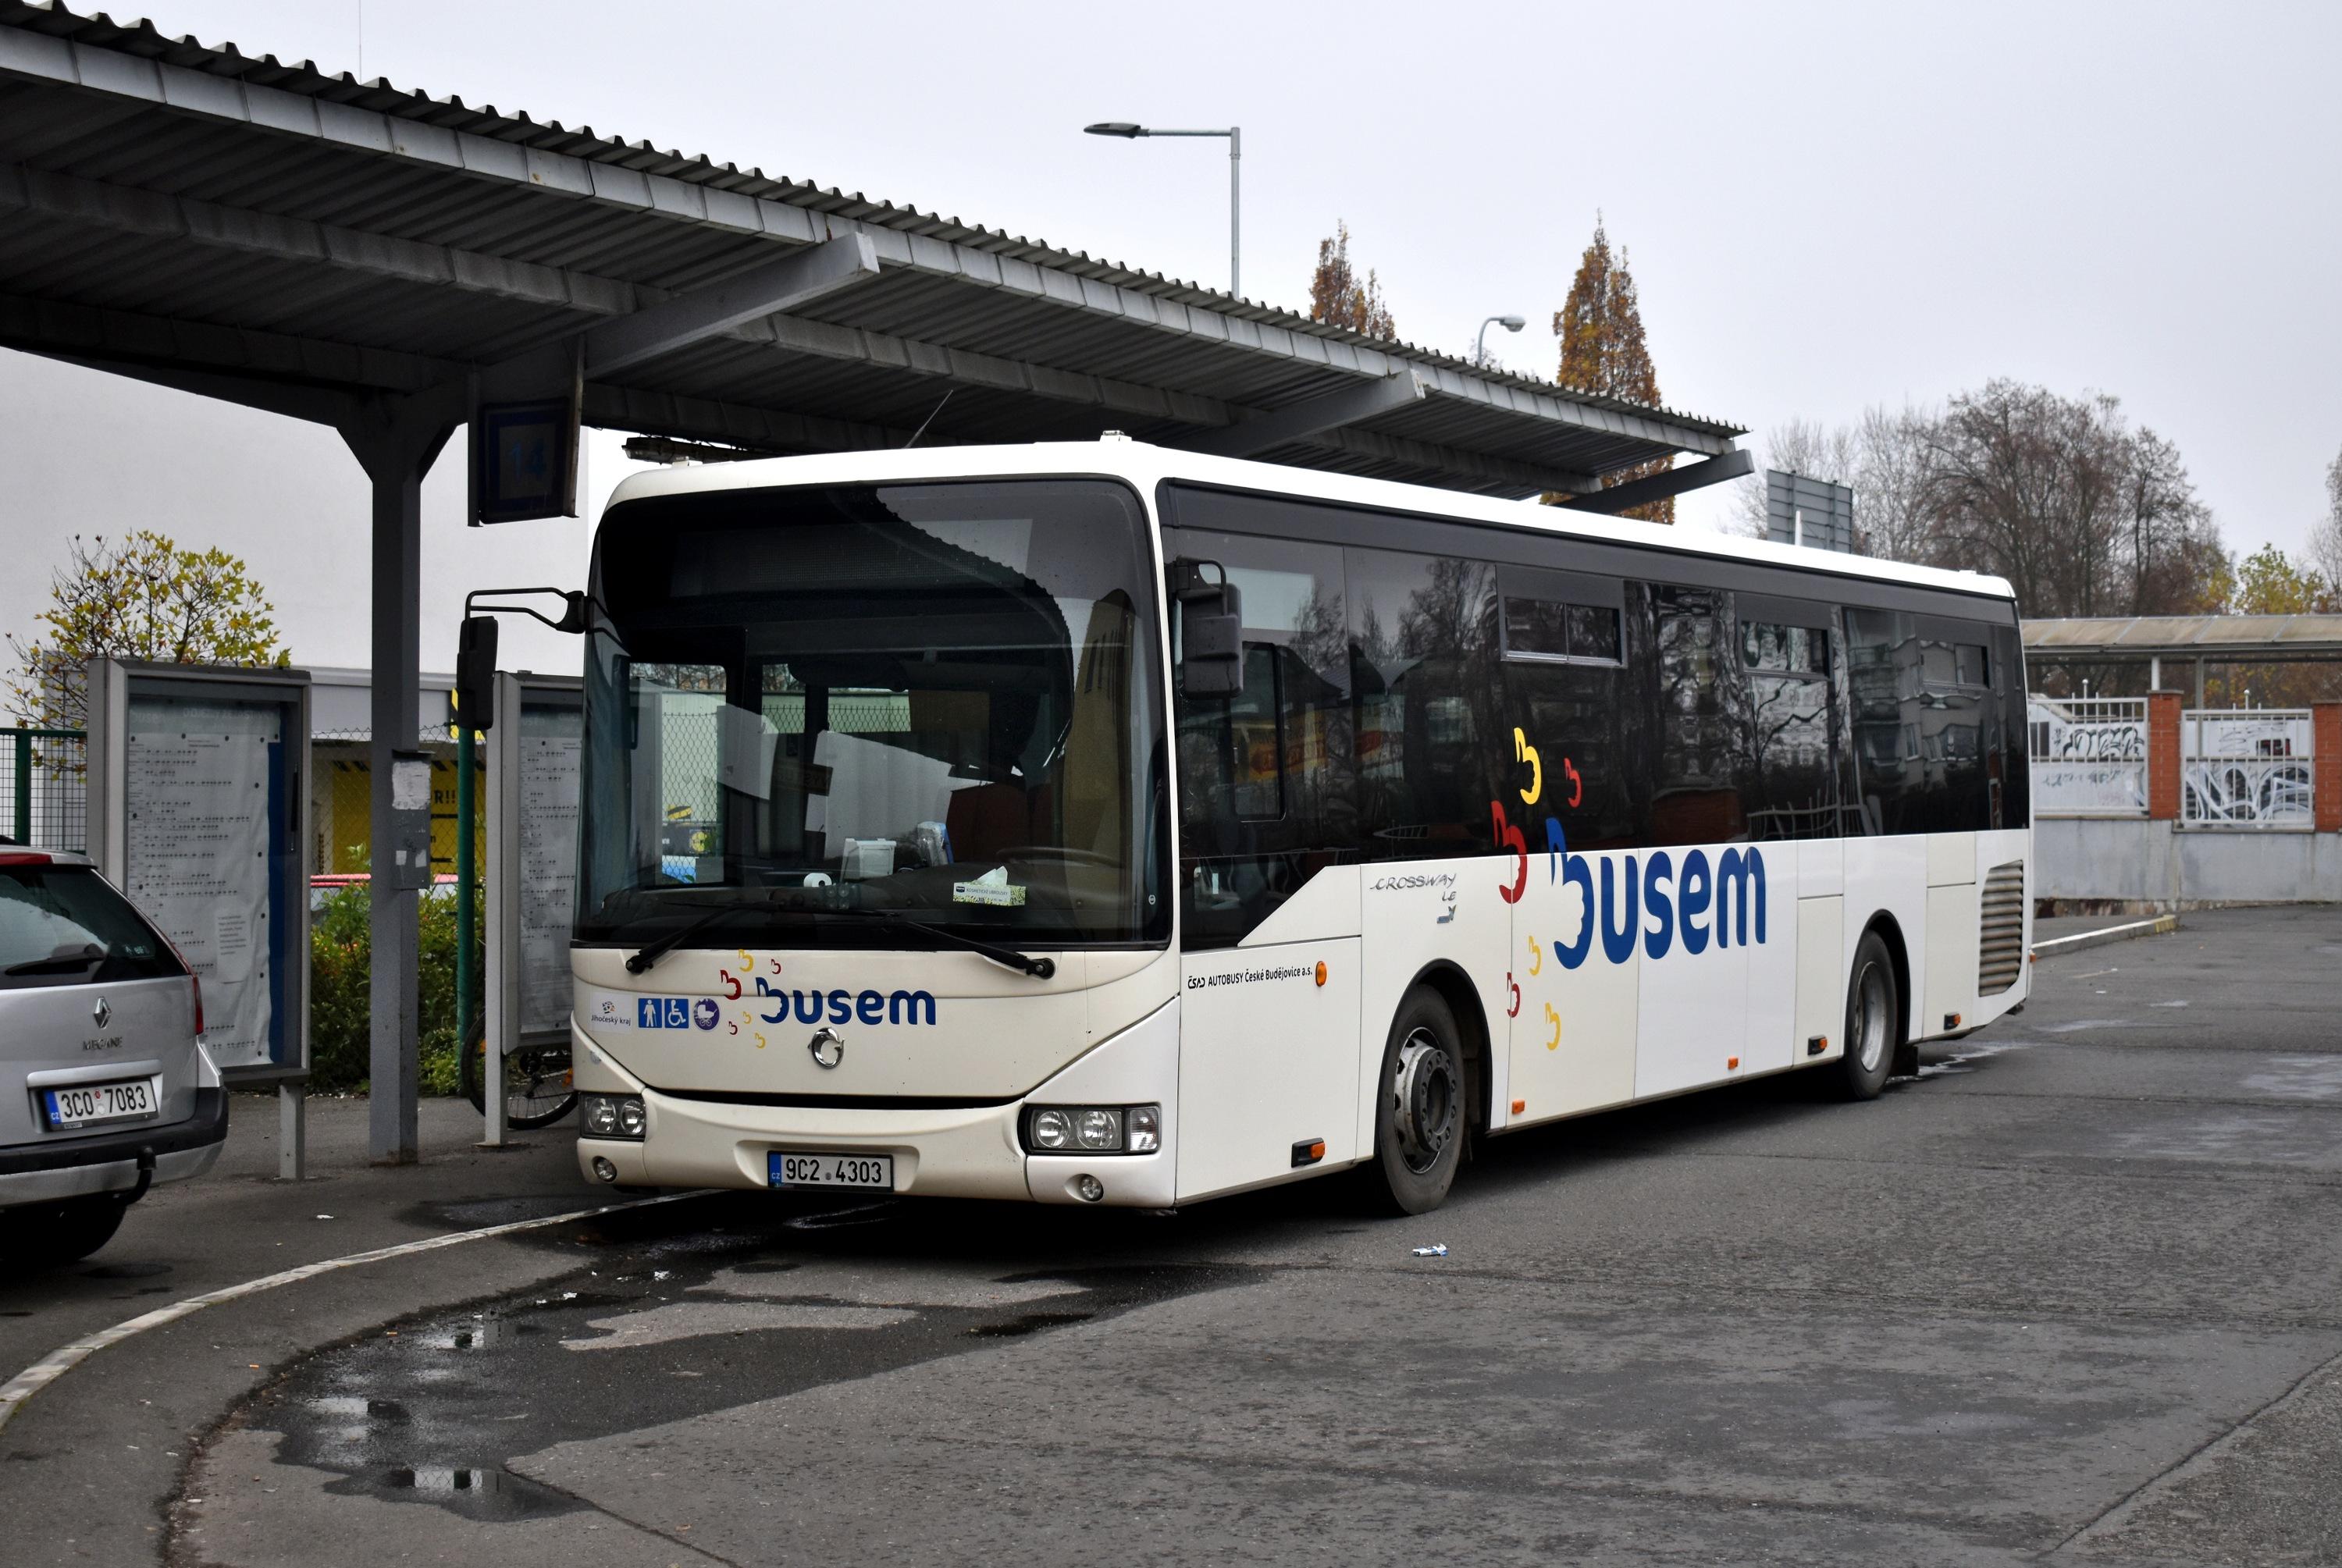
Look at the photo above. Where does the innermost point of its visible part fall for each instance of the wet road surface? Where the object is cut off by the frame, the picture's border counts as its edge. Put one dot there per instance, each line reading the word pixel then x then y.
pixel 2074 1292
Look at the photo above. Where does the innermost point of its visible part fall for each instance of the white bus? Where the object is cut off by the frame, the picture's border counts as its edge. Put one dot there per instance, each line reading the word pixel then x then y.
pixel 1101 823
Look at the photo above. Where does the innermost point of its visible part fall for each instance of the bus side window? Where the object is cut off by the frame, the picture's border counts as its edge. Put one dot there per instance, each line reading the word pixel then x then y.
pixel 1702 755
pixel 1430 719
pixel 1795 790
pixel 2014 802
pixel 1267 783
pixel 1566 680
pixel 1886 745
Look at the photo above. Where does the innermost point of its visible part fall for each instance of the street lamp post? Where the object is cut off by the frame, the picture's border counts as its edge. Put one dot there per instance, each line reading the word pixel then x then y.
pixel 1235 133
pixel 1480 343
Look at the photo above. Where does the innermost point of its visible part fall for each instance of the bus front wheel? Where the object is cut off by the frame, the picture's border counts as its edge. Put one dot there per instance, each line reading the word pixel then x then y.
pixel 1872 1007
pixel 1419 1112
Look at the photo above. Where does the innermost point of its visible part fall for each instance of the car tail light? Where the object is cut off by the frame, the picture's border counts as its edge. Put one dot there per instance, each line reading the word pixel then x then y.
pixel 195 982
pixel 23 857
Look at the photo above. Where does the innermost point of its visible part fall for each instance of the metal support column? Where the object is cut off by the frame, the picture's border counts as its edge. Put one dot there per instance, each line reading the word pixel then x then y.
pixel 291 1131
pixel 395 442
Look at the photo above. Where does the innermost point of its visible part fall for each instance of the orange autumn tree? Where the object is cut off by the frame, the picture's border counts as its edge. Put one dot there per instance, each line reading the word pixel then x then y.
pixel 1338 298
pixel 1600 329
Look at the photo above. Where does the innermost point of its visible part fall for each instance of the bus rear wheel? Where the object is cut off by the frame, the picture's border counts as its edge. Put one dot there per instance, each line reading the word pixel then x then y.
pixel 1420 1106
pixel 1872 1007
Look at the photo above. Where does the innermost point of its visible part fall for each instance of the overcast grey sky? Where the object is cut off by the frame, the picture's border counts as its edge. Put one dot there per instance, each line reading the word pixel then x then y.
pixel 1827 206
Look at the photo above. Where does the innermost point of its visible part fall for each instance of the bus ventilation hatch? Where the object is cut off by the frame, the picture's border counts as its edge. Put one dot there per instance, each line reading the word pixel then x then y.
pixel 2000 952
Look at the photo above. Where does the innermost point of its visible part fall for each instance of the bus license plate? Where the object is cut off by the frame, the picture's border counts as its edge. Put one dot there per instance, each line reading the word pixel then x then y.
pixel 787 1170
pixel 91 1104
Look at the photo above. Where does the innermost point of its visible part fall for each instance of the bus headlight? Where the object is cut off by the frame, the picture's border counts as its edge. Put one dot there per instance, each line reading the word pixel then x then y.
pixel 1052 1129
pixel 1094 1129
pixel 612 1115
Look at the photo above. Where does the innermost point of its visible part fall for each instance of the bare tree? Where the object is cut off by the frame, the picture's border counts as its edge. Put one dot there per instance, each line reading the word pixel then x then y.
pixel 2326 534
pixel 1804 446
pixel 1891 519
pixel 1883 458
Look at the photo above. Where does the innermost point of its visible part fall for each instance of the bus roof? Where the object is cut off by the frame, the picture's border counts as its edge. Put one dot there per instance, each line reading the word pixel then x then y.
pixel 1143 466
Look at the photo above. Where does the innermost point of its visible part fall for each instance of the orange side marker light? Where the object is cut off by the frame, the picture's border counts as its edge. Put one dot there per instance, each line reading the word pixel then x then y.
pixel 1321 972
pixel 1732 1064
pixel 1519 1106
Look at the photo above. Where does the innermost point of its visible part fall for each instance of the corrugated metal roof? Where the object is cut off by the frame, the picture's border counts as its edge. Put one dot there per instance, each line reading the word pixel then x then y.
pixel 2226 637
pixel 171 203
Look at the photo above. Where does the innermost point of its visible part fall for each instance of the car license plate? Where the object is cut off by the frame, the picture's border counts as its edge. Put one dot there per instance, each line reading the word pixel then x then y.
pixel 91 1104
pixel 802 1170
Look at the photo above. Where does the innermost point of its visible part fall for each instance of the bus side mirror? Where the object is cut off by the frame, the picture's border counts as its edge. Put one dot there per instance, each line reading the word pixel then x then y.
pixel 475 673
pixel 1211 640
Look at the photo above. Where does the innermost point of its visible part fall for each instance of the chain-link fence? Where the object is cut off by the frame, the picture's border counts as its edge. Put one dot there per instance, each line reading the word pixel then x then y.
pixel 44 787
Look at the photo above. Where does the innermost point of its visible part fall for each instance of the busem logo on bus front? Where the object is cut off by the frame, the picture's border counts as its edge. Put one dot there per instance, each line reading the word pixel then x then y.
pixel 1679 904
pixel 848 1007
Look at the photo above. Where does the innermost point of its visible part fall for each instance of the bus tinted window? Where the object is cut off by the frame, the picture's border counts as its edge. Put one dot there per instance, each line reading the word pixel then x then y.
pixel 1703 755
pixel 1928 733
pixel 2012 786
pixel 1430 701
pixel 1267 784
pixel 1560 615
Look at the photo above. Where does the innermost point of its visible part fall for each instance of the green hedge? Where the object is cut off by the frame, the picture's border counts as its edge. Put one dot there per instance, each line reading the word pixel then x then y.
pixel 340 1030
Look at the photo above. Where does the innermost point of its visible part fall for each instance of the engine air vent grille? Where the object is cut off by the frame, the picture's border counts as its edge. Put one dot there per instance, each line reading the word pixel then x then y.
pixel 2000 952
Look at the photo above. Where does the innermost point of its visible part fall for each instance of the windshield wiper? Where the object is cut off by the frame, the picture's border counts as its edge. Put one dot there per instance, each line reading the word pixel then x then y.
pixel 1006 957
pixel 650 952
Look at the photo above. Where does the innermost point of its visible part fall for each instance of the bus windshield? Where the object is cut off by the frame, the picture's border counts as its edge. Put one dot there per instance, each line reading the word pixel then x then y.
pixel 940 703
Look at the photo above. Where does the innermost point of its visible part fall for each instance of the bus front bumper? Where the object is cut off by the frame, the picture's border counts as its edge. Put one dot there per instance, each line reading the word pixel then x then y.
pixel 954 1152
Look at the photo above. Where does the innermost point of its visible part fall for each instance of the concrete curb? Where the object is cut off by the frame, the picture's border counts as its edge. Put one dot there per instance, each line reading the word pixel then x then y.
pixel 2161 925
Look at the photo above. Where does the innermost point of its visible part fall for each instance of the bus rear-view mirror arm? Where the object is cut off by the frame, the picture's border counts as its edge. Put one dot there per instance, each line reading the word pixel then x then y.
pixel 476 644
pixel 1211 629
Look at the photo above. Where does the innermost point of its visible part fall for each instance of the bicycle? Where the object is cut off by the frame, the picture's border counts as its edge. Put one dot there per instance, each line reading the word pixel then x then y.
pixel 538 1087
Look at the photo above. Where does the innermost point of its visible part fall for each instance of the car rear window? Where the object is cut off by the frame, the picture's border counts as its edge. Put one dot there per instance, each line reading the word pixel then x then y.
pixel 63 925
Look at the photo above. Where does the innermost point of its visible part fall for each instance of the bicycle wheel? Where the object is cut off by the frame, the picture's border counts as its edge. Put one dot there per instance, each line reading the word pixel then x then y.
pixel 537 1088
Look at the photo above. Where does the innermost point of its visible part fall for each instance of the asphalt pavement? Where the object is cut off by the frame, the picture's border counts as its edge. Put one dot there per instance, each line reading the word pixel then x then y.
pixel 2070 1294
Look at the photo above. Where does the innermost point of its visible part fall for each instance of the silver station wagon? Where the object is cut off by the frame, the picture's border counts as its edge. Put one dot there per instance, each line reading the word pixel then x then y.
pixel 104 1086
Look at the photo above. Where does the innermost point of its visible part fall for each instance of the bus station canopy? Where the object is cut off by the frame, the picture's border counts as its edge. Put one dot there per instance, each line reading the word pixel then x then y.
pixel 391 264
pixel 264 230
pixel 2212 639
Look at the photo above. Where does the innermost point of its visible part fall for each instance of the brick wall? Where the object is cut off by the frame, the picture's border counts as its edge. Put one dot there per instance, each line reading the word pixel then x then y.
pixel 2163 756
pixel 2326 746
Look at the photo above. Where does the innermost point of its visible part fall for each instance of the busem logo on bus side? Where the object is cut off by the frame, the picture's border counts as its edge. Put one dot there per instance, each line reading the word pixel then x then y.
pixel 1679 903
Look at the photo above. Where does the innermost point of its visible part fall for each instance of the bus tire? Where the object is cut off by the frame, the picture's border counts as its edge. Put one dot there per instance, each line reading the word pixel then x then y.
pixel 1420 1106
pixel 1873 1004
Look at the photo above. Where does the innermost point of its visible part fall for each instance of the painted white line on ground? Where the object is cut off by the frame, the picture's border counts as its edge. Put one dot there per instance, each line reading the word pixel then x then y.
pixel 63 1360
pixel 2161 925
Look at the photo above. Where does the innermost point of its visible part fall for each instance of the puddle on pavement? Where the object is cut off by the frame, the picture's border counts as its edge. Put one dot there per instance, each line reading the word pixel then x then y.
pixel 2299 1078
pixel 1970 1052
pixel 1031 1322
pixel 674 1327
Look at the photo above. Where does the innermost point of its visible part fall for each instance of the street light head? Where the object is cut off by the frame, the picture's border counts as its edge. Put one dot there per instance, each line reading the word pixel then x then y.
pixel 1115 128
pixel 1511 323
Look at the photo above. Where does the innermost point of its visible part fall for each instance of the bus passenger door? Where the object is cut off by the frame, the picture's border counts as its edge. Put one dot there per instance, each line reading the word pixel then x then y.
pixel 1268 1060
